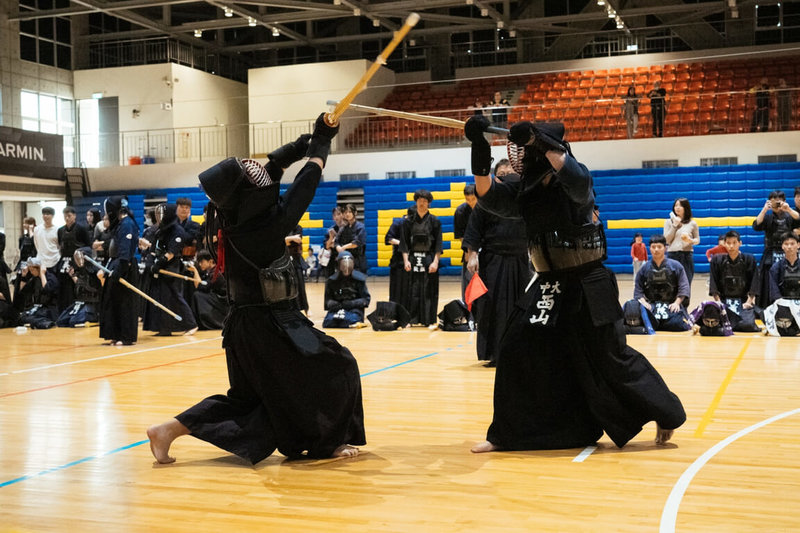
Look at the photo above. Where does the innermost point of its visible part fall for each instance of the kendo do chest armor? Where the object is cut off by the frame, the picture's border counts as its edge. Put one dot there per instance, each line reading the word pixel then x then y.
pixel 555 240
pixel 660 285
pixel 421 235
pixel 734 278
pixel 278 281
pixel 791 281
pixel 774 234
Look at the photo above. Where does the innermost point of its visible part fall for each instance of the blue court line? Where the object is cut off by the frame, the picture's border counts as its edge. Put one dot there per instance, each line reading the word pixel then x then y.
pixel 135 444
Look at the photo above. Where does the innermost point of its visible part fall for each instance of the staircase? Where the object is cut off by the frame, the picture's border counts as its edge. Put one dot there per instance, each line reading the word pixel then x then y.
pixel 77 183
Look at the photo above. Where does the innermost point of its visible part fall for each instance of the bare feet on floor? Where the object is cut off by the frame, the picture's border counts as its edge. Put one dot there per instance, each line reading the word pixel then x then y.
pixel 161 437
pixel 483 447
pixel 191 331
pixel 345 450
pixel 663 435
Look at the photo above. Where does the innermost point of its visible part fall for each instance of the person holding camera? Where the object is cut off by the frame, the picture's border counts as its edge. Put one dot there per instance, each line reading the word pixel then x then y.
pixel 775 219
pixel 682 234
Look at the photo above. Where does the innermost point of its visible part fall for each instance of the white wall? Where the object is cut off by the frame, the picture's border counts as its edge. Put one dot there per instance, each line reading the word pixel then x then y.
pixel 203 99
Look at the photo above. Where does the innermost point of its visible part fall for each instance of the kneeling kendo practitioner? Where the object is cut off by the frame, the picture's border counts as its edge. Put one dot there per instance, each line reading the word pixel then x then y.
pixel 210 299
pixel 87 292
pixel 661 287
pixel 346 295
pixel 38 292
pixel 292 388
pixel 165 254
pixel 733 282
pixel 784 290
pixel 565 373
pixel 710 319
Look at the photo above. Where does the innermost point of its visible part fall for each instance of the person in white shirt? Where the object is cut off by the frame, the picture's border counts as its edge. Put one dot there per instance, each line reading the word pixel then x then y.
pixel 45 237
pixel 682 235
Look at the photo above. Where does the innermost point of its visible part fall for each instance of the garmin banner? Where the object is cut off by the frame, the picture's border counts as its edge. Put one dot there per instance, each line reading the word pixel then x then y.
pixel 31 154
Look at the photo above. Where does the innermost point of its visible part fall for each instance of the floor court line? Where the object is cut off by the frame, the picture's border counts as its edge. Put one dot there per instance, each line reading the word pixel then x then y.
pixel 135 444
pixel 669 515
pixel 706 420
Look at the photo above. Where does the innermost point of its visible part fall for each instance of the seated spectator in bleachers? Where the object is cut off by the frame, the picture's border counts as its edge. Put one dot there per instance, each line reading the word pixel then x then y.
pixel 718 249
pixel 661 287
pixel 87 292
pixel 346 295
pixel 760 120
pixel 732 281
pixel 209 301
pixel 775 219
pixel 784 276
pixel 499 110
pixel 38 292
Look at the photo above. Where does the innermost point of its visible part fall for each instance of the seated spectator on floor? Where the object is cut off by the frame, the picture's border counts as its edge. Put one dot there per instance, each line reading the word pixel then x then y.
pixel 38 291
pixel 346 295
pixel 733 282
pixel 87 292
pixel 661 287
pixel 209 301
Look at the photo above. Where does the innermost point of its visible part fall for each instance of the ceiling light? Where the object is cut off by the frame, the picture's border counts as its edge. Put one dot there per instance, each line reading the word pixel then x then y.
pixel 620 25
pixel 356 12
pixel 412 42
pixel 228 12
pixel 500 25
pixel 611 13
pixel 276 32
pixel 601 2
pixel 512 33
pixel 251 21
pixel 484 12
pixel 376 23
pixel 337 2
pixel 198 33
pixel 470 2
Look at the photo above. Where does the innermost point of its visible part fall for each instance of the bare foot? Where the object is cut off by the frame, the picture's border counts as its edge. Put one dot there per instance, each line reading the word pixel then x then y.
pixel 345 450
pixel 191 331
pixel 109 343
pixel 484 447
pixel 161 437
pixel 663 435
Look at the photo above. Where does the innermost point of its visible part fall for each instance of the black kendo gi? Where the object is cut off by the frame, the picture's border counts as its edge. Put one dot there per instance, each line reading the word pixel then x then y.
pixel 460 221
pixel 39 302
pixel 355 234
pixel 165 289
pixel 119 319
pixel 8 314
pixel 295 250
pixel 661 285
pixel 784 280
pixel 503 266
pixel 69 239
pixel 4 268
pixel 774 226
pixel 421 240
pixel 87 292
pixel 291 386
pixel 398 281
pixel 210 301
pixel 565 373
pixel 346 295
pixel 732 281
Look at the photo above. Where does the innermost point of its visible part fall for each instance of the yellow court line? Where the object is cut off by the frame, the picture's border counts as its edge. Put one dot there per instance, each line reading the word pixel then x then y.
pixel 706 420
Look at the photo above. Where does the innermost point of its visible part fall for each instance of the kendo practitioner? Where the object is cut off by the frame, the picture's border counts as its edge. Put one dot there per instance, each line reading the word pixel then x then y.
pixel 119 319
pixel 710 319
pixel 294 247
pixel 209 301
pixel 398 278
pixel 166 289
pixel 5 270
pixel 775 219
pixel 662 288
pixel 564 373
pixel 460 220
pixel 27 249
pixel 71 236
pixel 183 209
pixel 346 295
pixel 421 246
pixel 8 314
pixel 352 237
pixel 87 292
pixel 784 276
pixel 292 388
pixel 498 249
pixel 38 294
pixel 732 281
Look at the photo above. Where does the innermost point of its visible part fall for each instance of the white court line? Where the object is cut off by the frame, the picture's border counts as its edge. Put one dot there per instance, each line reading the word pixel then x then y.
pixel 107 357
pixel 584 454
pixel 670 514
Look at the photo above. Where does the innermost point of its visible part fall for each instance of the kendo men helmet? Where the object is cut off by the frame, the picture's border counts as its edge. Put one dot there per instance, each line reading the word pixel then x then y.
pixel 346 263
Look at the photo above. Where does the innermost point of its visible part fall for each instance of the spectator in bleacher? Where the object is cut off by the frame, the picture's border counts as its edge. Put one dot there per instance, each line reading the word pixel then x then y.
pixel 421 246
pixel 630 111
pixel 190 228
pixel 783 97
pixel 328 261
pixel 720 248
pixel 662 288
pixel 294 247
pixel 499 110
pixel 775 219
pixel 352 237
pixel 477 108
pixel 658 108
pixel 682 234
pixel 760 120
pixel 398 277
pixel 460 220
pixel 71 236
pixel 733 282
pixel 638 253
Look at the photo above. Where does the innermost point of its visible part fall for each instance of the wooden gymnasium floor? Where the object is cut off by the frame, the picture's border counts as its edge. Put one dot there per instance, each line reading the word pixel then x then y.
pixel 73 454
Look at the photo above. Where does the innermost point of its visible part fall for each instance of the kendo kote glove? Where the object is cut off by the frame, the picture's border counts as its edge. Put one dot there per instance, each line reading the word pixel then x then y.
pixel 333 305
pixel 527 134
pixel 481 151
pixel 120 270
pixel 290 153
pixel 160 264
pixel 320 144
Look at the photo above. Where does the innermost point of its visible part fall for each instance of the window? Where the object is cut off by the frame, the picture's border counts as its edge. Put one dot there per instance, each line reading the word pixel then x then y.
pixel 401 174
pixel 50 114
pixel 782 158
pixel 660 163
pixel 47 41
pixel 716 161
pixel 450 172
pixel 354 177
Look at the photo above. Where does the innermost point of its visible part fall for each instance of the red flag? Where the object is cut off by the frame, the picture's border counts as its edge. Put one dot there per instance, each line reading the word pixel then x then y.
pixel 475 289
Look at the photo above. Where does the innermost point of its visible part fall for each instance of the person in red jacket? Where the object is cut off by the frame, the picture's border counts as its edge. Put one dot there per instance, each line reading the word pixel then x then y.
pixel 638 253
